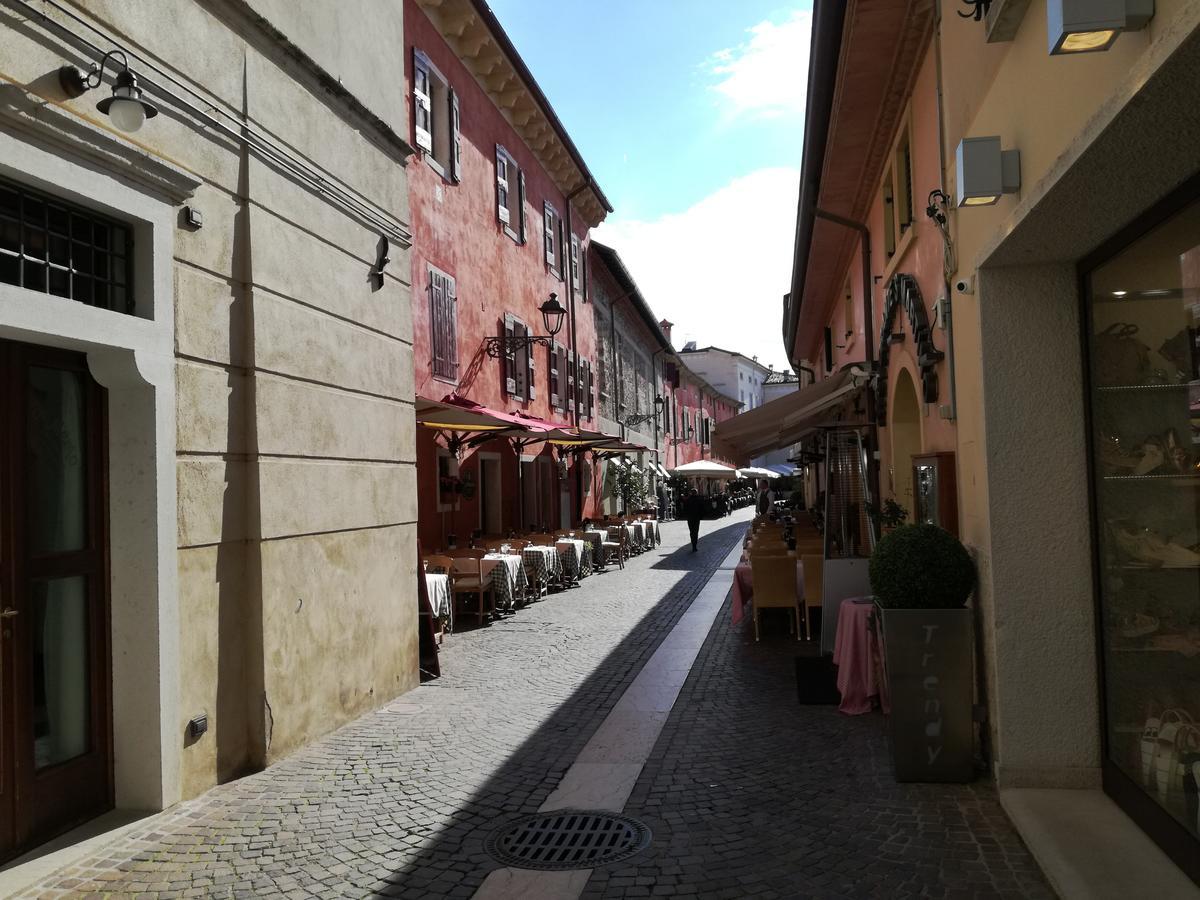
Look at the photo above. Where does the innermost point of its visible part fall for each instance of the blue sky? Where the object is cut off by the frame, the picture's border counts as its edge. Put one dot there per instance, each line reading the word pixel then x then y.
pixel 690 115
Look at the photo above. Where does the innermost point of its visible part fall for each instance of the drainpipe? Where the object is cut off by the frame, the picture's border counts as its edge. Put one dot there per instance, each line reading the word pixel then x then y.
pixel 868 333
pixel 574 345
pixel 812 376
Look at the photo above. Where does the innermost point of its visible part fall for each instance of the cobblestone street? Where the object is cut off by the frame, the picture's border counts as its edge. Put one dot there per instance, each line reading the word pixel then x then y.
pixel 747 793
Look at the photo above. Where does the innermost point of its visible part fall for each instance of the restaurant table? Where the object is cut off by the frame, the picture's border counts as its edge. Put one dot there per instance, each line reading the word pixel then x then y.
pixel 651 531
pixel 438 588
pixel 596 539
pixel 543 561
pixel 636 534
pixel 508 577
pixel 570 551
pixel 854 651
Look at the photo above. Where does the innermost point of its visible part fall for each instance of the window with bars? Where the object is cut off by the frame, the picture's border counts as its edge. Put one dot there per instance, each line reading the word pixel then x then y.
pixel 57 248
pixel 443 324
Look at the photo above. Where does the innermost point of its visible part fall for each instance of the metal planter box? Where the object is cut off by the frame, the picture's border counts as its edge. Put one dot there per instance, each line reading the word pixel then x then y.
pixel 928 663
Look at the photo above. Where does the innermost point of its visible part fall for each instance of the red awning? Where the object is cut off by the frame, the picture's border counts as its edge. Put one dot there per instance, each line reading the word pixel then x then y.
pixel 518 420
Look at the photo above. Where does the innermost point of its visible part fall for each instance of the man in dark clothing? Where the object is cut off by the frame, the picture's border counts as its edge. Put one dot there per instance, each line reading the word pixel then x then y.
pixel 763 505
pixel 693 510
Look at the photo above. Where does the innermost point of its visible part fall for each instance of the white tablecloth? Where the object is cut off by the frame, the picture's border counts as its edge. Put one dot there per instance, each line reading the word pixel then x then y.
pixel 438 588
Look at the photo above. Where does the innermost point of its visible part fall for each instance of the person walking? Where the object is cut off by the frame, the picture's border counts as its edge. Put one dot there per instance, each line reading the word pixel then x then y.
pixel 763 505
pixel 693 509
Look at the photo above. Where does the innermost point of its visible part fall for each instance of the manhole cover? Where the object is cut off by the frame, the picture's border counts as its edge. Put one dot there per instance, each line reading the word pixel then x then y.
pixel 568 839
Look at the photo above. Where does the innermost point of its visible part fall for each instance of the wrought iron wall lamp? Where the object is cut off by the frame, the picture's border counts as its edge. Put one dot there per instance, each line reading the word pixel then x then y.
pixel 125 107
pixel 553 314
pixel 634 421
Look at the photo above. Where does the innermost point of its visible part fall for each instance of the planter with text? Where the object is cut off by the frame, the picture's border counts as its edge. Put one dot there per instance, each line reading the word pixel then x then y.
pixel 922 577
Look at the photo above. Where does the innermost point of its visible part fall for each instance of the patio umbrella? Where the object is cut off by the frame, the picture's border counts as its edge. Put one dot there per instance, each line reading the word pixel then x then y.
pixel 705 468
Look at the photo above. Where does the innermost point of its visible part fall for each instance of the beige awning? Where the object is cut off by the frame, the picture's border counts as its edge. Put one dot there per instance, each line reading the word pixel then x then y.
pixel 781 422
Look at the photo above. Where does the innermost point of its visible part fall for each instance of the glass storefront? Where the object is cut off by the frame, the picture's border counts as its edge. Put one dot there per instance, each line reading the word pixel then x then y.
pixel 1143 325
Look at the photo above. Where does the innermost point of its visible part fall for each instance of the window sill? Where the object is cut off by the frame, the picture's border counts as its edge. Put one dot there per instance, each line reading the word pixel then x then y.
pixel 431 161
pixel 446 379
pixel 507 229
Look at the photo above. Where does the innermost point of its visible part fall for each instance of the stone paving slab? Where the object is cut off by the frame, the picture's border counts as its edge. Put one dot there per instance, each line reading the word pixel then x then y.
pixel 750 794
pixel 397 803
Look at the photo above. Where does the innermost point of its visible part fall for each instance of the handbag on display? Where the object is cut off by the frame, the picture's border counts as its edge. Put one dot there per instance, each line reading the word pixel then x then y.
pixel 1121 359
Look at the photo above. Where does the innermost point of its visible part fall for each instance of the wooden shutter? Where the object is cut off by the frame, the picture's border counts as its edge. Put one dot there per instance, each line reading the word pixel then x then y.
pixel 501 185
pixel 555 385
pixel 570 381
pixel 575 263
pixel 422 109
pixel 521 228
pixel 548 234
pixel 510 357
pixel 442 332
pixel 530 367
pixel 455 138
pixel 591 392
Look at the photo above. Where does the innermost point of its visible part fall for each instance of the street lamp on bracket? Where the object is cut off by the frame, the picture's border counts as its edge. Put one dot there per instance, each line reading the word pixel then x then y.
pixel 635 421
pixel 553 314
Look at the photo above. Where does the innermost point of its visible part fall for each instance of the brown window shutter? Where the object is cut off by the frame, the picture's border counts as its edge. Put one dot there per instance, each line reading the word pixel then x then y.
pixel 571 381
pixel 455 138
pixel 548 234
pixel 555 387
pixel 450 301
pixel 530 370
pixel 436 323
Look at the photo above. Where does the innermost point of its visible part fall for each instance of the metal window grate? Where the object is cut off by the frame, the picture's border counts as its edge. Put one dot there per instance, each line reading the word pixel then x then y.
pixel 568 839
pixel 55 248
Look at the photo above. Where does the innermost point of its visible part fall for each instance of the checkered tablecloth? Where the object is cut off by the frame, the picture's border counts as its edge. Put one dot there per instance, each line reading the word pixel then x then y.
pixel 596 539
pixel 542 562
pixel 570 551
pixel 508 578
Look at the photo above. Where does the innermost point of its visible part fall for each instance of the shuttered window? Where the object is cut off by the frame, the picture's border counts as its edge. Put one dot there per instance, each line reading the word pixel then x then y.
pixel 555 384
pixel 437 120
pixel 510 195
pixel 552 238
pixel 422 104
pixel 576 286
pixel 570 380
pixel 519 381
pixel 443 323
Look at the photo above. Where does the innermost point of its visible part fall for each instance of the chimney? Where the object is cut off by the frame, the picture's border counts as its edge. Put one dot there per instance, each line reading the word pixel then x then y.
pixel 666 329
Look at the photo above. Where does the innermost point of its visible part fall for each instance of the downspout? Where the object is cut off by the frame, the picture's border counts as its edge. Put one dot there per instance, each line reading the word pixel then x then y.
pixel 574 342
pixel 868 334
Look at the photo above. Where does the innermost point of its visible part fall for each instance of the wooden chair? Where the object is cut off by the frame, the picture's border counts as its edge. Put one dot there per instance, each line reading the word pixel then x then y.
pixel 443 565
pixel 468 578
pixel 775 587
pixel 615 545
pixel 814 586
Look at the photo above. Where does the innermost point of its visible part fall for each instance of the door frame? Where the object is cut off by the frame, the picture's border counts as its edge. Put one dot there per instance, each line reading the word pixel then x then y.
pixel 485 458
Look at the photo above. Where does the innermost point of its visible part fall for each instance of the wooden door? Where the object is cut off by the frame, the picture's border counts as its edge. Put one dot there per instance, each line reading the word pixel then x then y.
pixel 55 720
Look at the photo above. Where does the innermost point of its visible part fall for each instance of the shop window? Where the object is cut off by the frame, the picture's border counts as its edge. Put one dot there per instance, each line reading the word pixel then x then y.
pixel 443 324
pixel 1143 320
pixel 57 248
pixel 436 118
pixel 510 195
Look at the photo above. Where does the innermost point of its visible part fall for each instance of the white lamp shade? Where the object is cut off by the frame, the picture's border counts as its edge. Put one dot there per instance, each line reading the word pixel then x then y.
pixel 127 115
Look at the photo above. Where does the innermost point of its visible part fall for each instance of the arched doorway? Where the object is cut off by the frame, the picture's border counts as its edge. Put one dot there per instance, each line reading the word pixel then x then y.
pixel 905 428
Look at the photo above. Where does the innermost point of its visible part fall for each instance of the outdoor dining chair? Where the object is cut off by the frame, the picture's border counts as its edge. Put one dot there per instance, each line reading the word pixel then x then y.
pixel 615 546
pixel 468 579
pixel 775 588
pixel 443 565
pixel 814 587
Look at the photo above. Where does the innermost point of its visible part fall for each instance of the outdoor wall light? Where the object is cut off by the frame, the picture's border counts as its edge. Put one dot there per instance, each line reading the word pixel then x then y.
pixel 552 312
pixel 1087 26
pixel 125 107
pixel 985 171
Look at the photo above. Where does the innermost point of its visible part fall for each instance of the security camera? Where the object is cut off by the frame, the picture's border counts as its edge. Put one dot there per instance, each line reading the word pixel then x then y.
pixel 965 285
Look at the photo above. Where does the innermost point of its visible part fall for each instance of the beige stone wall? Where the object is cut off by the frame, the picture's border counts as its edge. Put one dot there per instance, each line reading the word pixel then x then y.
pixel 1021 441
pixel 296 462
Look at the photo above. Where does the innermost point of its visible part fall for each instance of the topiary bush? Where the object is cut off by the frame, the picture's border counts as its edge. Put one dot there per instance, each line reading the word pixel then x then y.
pixel 921 567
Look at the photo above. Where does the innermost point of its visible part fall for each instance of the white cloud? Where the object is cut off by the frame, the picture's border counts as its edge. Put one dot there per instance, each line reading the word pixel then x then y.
pixel 719 269
pixel 767 75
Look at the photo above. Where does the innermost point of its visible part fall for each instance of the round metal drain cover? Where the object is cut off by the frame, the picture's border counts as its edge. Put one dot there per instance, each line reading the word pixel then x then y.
pixel 568 839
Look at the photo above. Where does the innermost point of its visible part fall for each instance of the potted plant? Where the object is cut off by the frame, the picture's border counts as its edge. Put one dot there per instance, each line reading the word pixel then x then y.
pixel 890 516
pixel 922 577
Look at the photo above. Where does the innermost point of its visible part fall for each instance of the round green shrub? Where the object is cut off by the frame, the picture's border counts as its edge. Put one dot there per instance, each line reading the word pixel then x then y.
pixel 921 567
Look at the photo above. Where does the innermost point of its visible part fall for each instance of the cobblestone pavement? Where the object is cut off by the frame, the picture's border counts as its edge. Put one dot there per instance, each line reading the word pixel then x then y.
pixel 748 794
pixel 397 803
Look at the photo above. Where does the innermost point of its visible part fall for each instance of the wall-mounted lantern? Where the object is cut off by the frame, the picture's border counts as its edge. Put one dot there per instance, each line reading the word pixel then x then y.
pixel 1088 26
pixel 125 107
pixel 985 171
pixel 552 318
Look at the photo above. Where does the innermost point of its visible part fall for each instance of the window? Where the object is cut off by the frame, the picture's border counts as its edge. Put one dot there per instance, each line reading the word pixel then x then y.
pixel 510 195
pixel 55 248
pixel 889 217
pixel 557 355
pixel 436 118
pixel 904 207
pixel 583 388
pixel 519 369
pixel 552 238
pixel 447 476
pixel 443 324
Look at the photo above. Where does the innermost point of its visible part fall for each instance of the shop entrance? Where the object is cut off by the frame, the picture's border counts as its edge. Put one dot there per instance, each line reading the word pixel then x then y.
pixel 55 734
pixel 905 427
